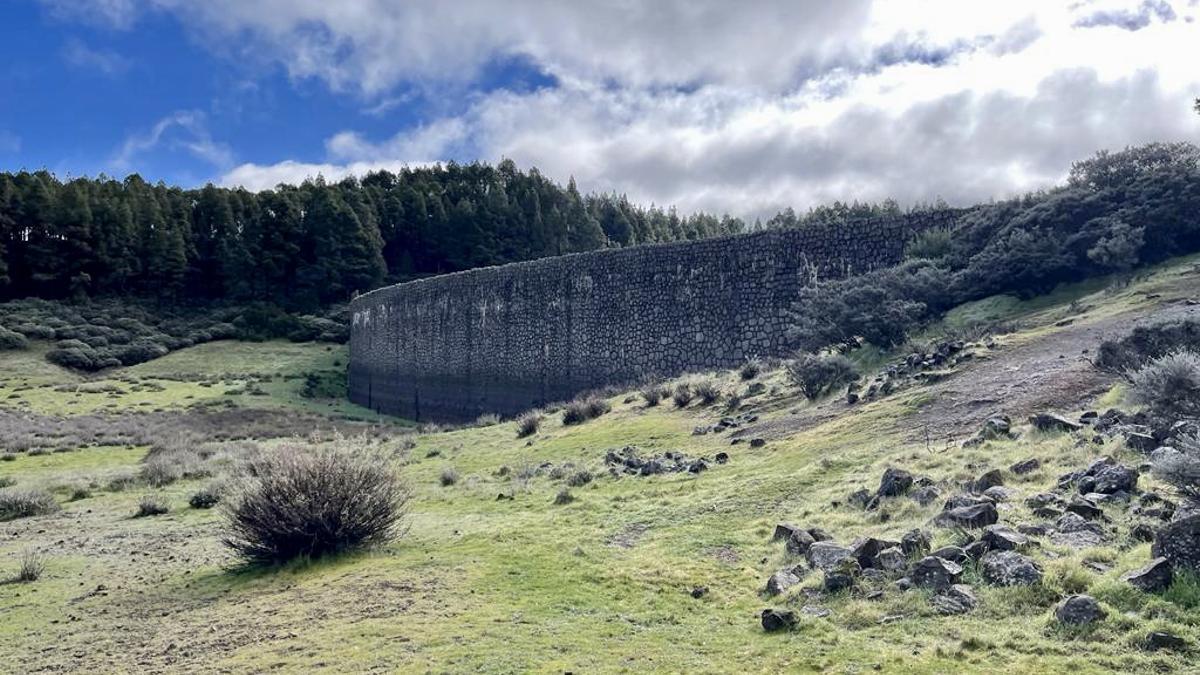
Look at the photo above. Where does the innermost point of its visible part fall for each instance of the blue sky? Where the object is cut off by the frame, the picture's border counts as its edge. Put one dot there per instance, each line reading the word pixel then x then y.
pixel 705 104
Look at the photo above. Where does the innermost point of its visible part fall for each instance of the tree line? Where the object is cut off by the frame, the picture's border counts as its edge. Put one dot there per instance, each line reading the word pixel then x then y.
pixel 308 245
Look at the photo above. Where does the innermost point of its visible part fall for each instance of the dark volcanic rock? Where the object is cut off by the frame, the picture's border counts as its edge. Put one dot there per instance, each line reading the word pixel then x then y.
pixel 1053 422
pixel 925 495
pixel 865 550
pixel 843 576
pixel 1078 610
pixel 784 530
pixel 892 561
pixel 825 556
pixel 894 482
pixel 778 619
pixel 1179 543
pixel 1071 529
pixel 799 541
pixel 1026 466
pixel 1152 578
pixel 990 479
pixel 934 572
pixel 1159 640
pixel 1114 478
pixel 915 542
pixel 1002 538
pixel 1086 508
pixel 952 553
pixel 976 516
pixel 1009 568
pixel 957 599
pixel 1144 443
pixel 783 580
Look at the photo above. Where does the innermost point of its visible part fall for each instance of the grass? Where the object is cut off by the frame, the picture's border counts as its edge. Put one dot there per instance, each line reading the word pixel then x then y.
pixel 599 584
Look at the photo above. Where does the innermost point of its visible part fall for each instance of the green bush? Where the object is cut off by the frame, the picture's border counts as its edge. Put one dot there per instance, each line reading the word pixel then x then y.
pixel 708 391
pixel 582 410
pixel 682 395
pixel 817 375
pixel 527 424
pixel 931 244
pixel 11 340
pixel 1148 342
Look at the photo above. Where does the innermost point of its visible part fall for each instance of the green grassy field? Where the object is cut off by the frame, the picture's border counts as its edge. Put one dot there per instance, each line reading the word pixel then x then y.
pixel 601 584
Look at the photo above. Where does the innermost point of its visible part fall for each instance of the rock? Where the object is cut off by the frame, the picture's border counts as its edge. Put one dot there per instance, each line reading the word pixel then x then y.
pixel 1159 640
pixel 1073 530
pixel 1043 499
pixel 1026 466
pixel 891 560
pixel 1114 478
pixel 1085 508
pixel 934 572
pixel 843 576
pixel 1142 532
pixel 722 457
pixel 1079 610
pixel 815 612
pixel 965 500
pixel 976 516
pixel 1179 543
pixel 1152 578
pixel 999 493
pixel 757 442
pixel 699 591
pixel 1002 538
pixel 894 483
pixel 799 541
pixel 825 556
pixel 925 495
pixel 1053 422
pixel 1009 568
pixel 781 581
pixel 778 619
pixel 859 498
pixel 975 549
pixel 1144 443
pixel 952 553
pixel 865 550
pixel 957 599
pixel 915 542
pixel 819 535
pixel 990 479
pixel 1033 530
pixel 784 530
pixel 996 427
pixel 904 584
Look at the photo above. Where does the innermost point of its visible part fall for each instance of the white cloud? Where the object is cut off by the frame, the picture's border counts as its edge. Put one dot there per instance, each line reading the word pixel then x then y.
pixel 184 130
pixel 107 62
pixel 119 14
pixel 744 107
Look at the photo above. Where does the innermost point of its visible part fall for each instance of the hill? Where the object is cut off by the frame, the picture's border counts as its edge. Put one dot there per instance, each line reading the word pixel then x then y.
pixel 560 552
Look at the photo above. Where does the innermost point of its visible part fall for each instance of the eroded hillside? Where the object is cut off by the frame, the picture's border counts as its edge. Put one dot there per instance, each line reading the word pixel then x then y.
pixel 581 548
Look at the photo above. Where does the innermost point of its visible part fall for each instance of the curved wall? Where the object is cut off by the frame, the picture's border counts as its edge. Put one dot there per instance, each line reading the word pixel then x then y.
pixel 509 338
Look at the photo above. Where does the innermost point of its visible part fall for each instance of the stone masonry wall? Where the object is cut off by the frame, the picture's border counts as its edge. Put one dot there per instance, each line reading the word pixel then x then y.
pixel 509 338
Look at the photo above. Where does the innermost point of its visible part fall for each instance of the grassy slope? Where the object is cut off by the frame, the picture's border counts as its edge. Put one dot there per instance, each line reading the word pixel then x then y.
pixel 601 584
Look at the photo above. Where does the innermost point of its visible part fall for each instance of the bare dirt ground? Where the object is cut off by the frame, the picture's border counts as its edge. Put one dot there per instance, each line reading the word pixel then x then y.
pixel 1046 371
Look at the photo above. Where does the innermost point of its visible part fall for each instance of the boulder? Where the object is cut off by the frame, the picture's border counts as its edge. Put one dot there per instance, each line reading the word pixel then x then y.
pixel 999 493
pixel 825 556
pixel 778 619
pixel 784 530
pixel 859 498
pixel 1142 532
pixel 1043 499
pixel 1009 568
pixel 1026 466
pixel 934 572
pixel 891 560
pixel 799 541
pixel 1179 543
pixel 1071 529
pixel 1152 578
pixel 915 542
pixel 1079 610
pixel 999 426
pixel 976 516
pixel 1114 478
pixel 843 576
pixel 925 495
pixel 957 599
pixel 975 549
pixel 865 550
pixel 1144 443
pixel 1052 422
pixel 1003 538
pixel 1085 508
pixel 989 479
pixel 782 580
pixel 952 553
pixel 894 482
pixel 1159 640
pixel 819 535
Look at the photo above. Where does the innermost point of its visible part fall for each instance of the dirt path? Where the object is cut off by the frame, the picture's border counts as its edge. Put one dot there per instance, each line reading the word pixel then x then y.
pixel 1049 371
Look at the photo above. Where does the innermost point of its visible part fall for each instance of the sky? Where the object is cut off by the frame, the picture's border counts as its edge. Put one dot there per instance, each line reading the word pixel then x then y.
pixel 730 107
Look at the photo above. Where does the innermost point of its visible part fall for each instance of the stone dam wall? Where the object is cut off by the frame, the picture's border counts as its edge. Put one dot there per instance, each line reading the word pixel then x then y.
pixel 509 338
